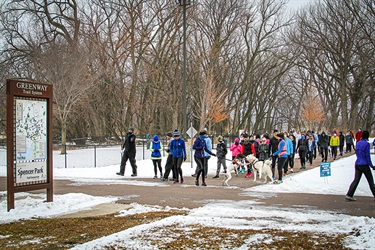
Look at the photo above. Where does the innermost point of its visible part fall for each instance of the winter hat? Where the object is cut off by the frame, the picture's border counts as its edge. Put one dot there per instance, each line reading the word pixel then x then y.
pixel 169 134
pixel 220 138
pixel 202 132
pixel 156 138
pixel 176 133
pixel 237 140
pixel 275 130
pixel 132 129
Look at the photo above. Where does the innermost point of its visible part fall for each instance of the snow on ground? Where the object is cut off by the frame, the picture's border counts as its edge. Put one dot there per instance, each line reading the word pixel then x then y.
pixel 228 214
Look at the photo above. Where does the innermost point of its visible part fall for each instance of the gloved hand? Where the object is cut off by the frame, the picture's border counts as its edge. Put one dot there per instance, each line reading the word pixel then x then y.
pixel 185 158
pixel 167 150
pixel 213 154
pixel 156 150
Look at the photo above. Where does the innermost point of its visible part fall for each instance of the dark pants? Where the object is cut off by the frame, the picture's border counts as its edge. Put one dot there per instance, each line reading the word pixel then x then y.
pixel 291 160
pixel 177 162
pixel 125 157
pixel 280 166
pixel 169 167
pixel 324 154
pixel 302 157
pixel 310 156
pixel 200 168
pixel 334 152
pixel 341 149
pixel 157 165
pixel 359 170
pixel 349 147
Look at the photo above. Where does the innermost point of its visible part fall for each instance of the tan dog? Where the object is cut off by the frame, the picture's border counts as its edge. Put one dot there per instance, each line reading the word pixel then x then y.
pixel 261 168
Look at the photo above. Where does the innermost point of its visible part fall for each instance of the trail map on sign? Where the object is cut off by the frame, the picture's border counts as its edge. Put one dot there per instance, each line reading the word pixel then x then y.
pixel 31 130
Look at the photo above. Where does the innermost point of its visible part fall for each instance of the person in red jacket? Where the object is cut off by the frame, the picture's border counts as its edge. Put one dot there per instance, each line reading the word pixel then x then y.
pixel 358 135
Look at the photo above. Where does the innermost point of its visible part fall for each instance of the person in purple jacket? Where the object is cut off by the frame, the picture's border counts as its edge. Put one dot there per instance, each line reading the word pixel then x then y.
pixel 199 147
pixel 362 166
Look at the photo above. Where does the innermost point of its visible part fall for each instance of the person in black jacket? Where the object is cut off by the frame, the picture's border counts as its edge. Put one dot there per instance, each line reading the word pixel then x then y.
pixel 302 147
pixel 129 153
pixel 342 142
pixel 324 143
pixel 221 152
pixel 274 146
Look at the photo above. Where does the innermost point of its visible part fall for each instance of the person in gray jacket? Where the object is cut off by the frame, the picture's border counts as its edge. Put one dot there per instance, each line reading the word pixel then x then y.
pixel 349 142
pixel 221 152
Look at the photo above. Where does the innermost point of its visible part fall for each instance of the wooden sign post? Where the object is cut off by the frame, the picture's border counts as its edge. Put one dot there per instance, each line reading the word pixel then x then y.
pixel 29 138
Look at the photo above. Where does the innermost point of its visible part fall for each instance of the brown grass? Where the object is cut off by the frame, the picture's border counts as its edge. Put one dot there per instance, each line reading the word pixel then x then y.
pixel 66 233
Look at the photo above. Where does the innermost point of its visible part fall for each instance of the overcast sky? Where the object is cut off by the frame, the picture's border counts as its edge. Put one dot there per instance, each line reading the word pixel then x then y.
pixel 295 4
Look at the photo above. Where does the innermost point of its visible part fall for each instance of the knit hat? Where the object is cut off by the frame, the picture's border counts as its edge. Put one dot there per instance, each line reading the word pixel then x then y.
pixel 275 130
pixel 156 138
pixel 176 133
pixel 169 134
pixel 202 132
pixel 220 138
pixel 237 140
pixel 132 129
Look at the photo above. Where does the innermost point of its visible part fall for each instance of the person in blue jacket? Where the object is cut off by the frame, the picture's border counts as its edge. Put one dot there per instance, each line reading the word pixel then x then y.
pixel 282 156
pixel 156 147
pixel 362 166
pixel 178 149
pixel 289 151
pixel 200 148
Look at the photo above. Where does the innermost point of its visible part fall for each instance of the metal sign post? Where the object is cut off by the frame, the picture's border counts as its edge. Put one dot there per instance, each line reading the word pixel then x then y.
pixel 191 132
pixel 29 138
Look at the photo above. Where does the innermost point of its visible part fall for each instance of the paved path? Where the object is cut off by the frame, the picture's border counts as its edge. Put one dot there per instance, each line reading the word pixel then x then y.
pixel 190 196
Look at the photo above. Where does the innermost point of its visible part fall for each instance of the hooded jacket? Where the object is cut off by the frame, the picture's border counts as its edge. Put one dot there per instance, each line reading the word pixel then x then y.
pixel 200 147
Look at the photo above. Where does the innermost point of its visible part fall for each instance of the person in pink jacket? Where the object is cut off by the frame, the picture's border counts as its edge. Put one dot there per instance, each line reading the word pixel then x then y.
pixel 236 148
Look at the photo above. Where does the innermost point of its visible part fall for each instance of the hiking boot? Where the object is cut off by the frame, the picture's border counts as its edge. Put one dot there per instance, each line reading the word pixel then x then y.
pixel 348 198
pixel 204 184
pixel 215 177
pixel 278 182
pixel 196 183
pixel 176 181
pixel 133 175
pixel 120 174
pixel 155 177
pixel 182 181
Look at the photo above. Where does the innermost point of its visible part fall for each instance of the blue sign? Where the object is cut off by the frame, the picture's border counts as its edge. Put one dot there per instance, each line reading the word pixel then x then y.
pixel 325 169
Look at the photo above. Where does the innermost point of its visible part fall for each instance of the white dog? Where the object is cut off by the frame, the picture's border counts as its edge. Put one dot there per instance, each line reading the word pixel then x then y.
pixel 234 166
pixel 261 167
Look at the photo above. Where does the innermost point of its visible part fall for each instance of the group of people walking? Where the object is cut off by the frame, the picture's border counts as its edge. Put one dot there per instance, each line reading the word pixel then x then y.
pixel 280 148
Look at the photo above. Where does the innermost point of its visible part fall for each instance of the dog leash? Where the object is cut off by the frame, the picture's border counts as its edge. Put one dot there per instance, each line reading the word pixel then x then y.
pixel 224 158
